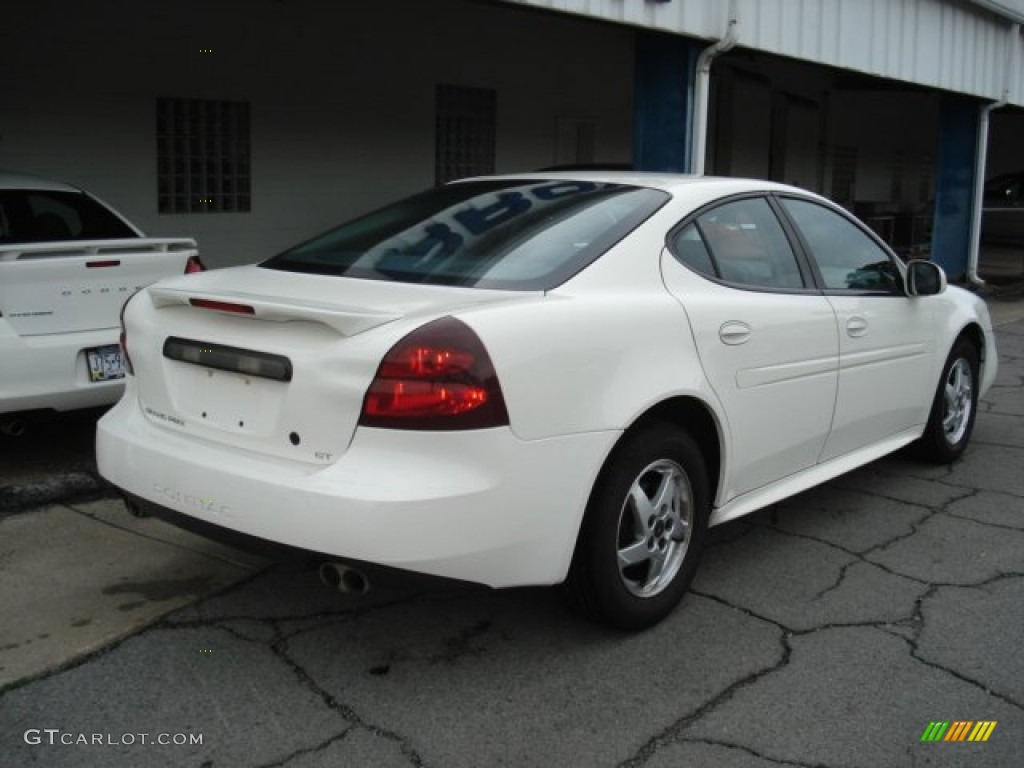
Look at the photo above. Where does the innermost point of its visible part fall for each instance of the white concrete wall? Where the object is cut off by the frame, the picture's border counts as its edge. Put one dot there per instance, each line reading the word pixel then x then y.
pixel 342 98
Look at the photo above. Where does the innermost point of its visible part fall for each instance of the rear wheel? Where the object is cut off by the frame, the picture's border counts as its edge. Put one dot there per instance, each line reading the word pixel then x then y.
pixel 951 420
pixel 643 531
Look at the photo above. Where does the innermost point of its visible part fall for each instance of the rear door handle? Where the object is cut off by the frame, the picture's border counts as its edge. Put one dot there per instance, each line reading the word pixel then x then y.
pixel 734 332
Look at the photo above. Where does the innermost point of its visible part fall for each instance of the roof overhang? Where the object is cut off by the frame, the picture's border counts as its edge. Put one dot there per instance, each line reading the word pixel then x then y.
pixel 1008 9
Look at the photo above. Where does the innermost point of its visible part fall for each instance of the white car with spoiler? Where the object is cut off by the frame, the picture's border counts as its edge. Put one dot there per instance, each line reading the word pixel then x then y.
pixel 68 263
pixel 548 379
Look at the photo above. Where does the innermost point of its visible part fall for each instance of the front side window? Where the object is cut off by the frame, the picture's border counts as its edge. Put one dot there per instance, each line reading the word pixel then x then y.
pixel 846 257
pixel 28 216
pixel 739 242
pixel 511 234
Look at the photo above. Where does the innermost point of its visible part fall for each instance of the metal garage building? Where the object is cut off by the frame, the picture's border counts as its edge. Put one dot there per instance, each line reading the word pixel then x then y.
pixel 253 124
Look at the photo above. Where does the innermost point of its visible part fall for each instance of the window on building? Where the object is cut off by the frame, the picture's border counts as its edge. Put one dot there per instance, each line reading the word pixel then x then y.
pixel 465 132
pixel 203 159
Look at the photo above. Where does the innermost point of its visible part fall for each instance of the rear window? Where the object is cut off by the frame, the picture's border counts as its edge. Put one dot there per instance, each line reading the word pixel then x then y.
pixel 508 234
pixel 35 216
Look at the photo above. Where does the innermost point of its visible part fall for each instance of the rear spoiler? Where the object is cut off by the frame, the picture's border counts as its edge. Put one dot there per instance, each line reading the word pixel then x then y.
pixel 348 321
pixel 113 246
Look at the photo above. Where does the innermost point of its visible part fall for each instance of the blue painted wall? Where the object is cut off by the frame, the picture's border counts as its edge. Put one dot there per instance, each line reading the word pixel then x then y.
pixel 954 183
pixel 665 70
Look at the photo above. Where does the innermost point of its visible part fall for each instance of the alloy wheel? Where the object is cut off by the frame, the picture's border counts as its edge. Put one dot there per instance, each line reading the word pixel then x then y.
pixel 654 529
pixel 959 387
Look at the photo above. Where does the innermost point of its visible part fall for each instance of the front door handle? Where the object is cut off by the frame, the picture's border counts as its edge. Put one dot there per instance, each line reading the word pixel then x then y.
pixel 856 326
pixel 734 332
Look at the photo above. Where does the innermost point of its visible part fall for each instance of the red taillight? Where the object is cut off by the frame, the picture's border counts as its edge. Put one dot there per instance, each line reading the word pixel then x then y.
pixel 438 377
pixel 193 265
pixel 124 339
pixel 222 306
pixel 103 264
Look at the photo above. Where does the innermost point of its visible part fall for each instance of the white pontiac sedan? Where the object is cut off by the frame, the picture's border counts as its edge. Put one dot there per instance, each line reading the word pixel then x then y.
pixel 542 379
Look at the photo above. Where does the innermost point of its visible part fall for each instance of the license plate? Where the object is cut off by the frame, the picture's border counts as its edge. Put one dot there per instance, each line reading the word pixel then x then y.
pixel 105 363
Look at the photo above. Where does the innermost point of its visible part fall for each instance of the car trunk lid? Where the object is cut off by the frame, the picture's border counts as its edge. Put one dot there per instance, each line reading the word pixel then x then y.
pixel 49 288
pixel 274 362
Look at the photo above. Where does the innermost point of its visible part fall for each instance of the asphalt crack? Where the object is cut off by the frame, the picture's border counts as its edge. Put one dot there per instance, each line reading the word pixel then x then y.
pixel 918 622
pixel 308 750
pixel 987 524
pixel 752 752
pixel 860 556
pixel 672 733
pixel 279 647
pixel 838 582
pixel 915 622
pixel 864 556
pixel 967 491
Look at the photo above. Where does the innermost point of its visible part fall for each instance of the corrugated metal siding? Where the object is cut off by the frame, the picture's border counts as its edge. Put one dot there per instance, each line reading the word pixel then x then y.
pixel 940 43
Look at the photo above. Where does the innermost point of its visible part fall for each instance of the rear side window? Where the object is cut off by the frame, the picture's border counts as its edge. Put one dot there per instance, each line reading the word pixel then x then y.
pixel 511 234
pixel 846 257
pixel 28 216
pixel 740 242
pixel 689 248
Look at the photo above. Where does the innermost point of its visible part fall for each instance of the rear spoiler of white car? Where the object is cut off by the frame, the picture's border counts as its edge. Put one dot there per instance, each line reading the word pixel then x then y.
pixel 21 251
pixel 348 321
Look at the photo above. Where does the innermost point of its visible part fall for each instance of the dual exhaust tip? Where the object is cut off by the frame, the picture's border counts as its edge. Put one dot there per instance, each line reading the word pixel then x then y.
pixel 344 578
pixel 14 427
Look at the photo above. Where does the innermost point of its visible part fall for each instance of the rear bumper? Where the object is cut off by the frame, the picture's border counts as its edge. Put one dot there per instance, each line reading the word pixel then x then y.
pixel 477 506
pixel 377 575
pixel 51 372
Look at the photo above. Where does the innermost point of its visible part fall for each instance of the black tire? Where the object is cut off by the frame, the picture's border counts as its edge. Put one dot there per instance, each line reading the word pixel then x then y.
pixel 636 596
pixel 954 407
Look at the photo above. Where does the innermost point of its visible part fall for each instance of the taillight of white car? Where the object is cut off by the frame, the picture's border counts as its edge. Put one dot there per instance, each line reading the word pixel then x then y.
pixel 192 266
pixel 123 339
pixel 439 377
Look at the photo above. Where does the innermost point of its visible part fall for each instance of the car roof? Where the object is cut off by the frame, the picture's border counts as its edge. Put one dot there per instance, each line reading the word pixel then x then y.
pixel 15 180
pixel 668 182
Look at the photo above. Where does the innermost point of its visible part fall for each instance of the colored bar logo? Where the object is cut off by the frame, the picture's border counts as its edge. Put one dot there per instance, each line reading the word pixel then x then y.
pixel 958 730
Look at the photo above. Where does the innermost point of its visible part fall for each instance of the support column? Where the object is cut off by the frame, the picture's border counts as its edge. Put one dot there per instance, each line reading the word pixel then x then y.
pixel 954 183
pixel 663 102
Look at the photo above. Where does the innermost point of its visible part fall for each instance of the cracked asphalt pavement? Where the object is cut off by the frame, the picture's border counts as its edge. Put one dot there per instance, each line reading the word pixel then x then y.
pixel 827 631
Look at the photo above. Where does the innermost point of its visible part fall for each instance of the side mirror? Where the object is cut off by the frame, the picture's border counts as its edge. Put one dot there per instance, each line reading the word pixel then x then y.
pixel 924 278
